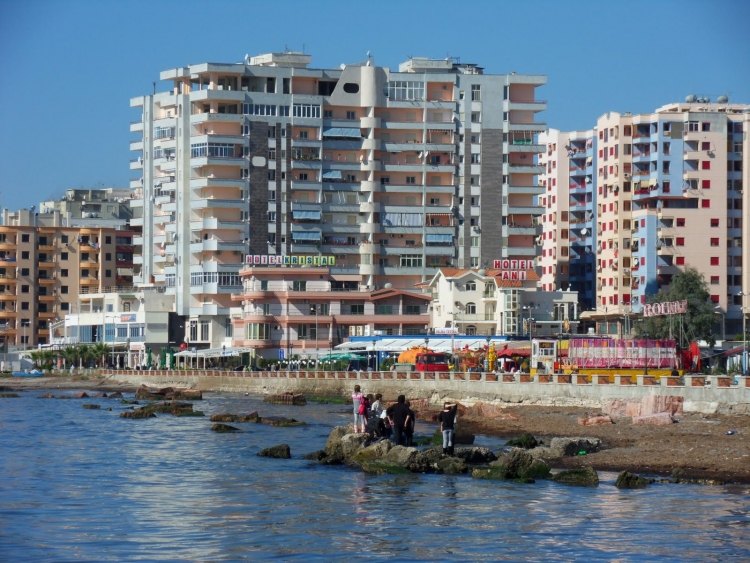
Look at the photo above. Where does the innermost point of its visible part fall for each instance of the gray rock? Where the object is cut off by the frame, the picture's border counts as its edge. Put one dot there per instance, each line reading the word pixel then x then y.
pixel 408 458
pixel 585 477
pixel 450 466
pixel 627 480
pixel 281 451
pixel 520 464
pixel 223 428
pixel 560 447
pixel 333 444
pixel 315 456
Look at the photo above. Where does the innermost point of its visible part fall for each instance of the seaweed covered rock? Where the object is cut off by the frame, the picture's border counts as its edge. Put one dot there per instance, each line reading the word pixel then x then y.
pixel 145 392
pixel 224 428
pixel 584 477
pixel 139 413
pixel 462 437
pixel 524 441
pixel 282 451
pixel 9 395
pixel 475 454
pixel 318 455
pixel 115 395
pixel 627 480
pixel 91 407
pixel 520 464
pixel 450 466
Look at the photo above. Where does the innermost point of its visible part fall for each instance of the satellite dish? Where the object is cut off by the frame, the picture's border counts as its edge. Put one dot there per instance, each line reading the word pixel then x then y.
pixel 722 100
pixel 584 232
pixel 691 99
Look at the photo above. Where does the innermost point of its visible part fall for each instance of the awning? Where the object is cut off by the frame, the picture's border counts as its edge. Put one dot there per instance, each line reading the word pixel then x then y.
pixel 314 215
pixel 127 297
pixel 346 277
pixel 306 235
pixel 343 132
pixel 438 238
pixel 214 352
pixel 332 175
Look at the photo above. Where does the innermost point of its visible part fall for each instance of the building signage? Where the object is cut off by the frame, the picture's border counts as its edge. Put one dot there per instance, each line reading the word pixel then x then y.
pixel 446 330
pixel 668 308
pixel 278 260
pixel 513 265
pixel 127 318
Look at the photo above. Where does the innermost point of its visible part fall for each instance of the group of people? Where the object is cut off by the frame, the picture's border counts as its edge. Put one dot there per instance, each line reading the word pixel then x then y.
pixel 398 421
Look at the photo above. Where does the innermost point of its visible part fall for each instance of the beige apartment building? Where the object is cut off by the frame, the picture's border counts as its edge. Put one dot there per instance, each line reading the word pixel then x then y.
pixel 392 174
pixel 44 266
pixel 668 192
pixel 308 311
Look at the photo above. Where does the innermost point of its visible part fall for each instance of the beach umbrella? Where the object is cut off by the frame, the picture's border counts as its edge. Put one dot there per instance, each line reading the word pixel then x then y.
pixel 148 357
pixel 163 359
pixel 171 358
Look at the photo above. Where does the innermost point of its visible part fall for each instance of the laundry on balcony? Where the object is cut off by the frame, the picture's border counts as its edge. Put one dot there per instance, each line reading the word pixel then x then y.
pixel 332 175
pixel 438 238
pixel 589 160
pixel 306 235
pixel 306 215
pixel 342 133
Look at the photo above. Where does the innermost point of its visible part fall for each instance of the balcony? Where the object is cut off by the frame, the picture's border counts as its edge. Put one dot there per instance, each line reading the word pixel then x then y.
pixel 89 281
pixel 526 104
pixel 212 245
pixel 47 314
pixel 526 169
pixel 47 281
pixel 8 245
pixel 7 314
pixel 89 264
pixel 44 298
pixel 215 203
pixel 90 247
pixel 7 296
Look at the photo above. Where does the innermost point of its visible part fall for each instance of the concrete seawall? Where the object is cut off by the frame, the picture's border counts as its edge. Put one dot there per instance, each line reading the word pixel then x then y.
pixel 706 394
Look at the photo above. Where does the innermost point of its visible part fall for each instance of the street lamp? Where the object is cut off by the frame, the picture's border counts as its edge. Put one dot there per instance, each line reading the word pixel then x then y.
pixel 723 322
pixel 645 365
pixel 426 341
pixel 375 355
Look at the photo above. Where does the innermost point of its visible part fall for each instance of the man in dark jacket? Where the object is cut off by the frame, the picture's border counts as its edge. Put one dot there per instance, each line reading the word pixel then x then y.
pixel 399 418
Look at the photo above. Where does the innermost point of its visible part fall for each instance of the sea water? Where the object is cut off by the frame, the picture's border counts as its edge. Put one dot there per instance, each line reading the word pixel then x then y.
pixel 87 485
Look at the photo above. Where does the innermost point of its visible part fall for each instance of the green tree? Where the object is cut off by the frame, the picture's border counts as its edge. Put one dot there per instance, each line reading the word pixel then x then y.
pixel 697 324
pixel 99 351
pixel 70 355
pixel 85 354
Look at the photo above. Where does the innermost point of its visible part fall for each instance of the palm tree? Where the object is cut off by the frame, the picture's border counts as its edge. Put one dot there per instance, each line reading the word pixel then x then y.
pixel 36 357
pixel 70 355
pixel 48 358
pixel 100 351
pixel 84 354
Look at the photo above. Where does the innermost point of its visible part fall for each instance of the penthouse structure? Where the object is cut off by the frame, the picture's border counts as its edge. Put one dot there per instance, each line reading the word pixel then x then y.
pixel 669 193
pixel 44 266
pixel 389 175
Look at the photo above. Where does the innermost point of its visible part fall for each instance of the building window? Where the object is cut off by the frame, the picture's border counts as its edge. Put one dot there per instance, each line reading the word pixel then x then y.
pixel 193 331
pixel 705 203
pixel 64 239
pixel 714 260
pixel 406 90
pixel 108 240
pixel 24 238
pixel 476 93
pixel 680 241
pixel 25 255
pixel 680 261
pixel 63 273
pixel 63 256
pixel 471 309
pixel 65 306
pixel 705 126
pixel 25 306
pixel 204 330
pixel 24 289
pixel 64 289
pixel 714 280
pixel 471 286
pixel 24 271
pixel 357 309
pixel 714 222
pixel 411 261
pixel 706 184
pixel 228 328
pixel 705 165
pixel 475 117
pixel 257 331
pixel 714 242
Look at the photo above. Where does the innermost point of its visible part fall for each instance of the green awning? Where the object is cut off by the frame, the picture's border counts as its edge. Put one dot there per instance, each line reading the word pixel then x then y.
pixel 128 297
pixel 342 133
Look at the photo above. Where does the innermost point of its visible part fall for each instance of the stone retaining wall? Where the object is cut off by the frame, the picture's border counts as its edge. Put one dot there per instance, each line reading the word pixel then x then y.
pixel 700 393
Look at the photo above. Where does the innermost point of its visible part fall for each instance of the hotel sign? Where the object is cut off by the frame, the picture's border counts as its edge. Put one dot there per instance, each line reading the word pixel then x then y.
pixel 279 260
pixel 513 269
pixel 668 308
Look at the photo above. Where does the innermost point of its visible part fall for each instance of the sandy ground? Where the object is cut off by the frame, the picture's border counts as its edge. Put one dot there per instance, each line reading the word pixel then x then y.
pixel 698 444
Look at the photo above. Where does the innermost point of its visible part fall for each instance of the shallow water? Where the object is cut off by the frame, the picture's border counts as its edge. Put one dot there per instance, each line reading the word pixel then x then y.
pixel 85 485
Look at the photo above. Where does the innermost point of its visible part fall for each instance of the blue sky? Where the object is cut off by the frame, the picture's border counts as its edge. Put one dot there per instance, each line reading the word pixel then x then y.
pixel 69 68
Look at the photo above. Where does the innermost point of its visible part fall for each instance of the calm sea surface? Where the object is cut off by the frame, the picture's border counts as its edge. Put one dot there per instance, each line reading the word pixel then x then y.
pixel 85 485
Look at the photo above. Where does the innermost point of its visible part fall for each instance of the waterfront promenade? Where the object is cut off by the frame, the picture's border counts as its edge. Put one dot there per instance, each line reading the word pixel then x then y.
pixel 701 393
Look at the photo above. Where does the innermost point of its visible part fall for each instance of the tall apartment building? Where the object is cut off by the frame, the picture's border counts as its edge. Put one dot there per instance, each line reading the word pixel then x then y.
pixel 669 194
pixel 569 239
pixel 44 266
pixel 389 174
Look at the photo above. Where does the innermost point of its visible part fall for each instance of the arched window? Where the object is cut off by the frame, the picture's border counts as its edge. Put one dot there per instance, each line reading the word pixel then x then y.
pixel 471 286
pixel 471 330
pixel 471 309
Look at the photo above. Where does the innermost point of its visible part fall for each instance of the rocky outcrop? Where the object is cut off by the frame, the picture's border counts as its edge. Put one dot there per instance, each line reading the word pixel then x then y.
pixel 518 464
pixel 658 419
pixel 175 408
pixel 318 455
pixel 281 421
pixel 147 393
pixel 595 420
pixel 91 407
pixel 653 404
pixel 281 451
pixel 475 454
pixel 224 428
pixel 138 413
pixel 81 395
pixel 9 395
pixel 47 396
pixel 627 480
pixel 115 395
pixel 286 398
pixel 585 477
pixel 228 417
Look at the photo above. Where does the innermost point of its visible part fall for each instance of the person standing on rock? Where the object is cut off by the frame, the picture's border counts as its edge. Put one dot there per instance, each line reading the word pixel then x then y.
pixel 398 417
pixel 409 429
pixel 447 420
pixel 360 418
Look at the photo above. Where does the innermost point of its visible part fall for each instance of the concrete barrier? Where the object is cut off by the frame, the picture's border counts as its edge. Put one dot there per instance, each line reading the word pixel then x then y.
pixel 700 393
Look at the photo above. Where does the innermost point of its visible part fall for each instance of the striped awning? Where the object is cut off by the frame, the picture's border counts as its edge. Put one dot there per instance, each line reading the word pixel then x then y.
pixel 306 235
pixel 342 133
pixel 309 215
pixel 438 238
pixel 332 175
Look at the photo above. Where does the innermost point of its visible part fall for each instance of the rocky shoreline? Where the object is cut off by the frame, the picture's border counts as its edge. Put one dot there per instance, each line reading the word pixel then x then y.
pixel 708 448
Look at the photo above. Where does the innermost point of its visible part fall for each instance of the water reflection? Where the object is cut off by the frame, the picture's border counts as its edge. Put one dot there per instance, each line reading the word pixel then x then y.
pixel 88 485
